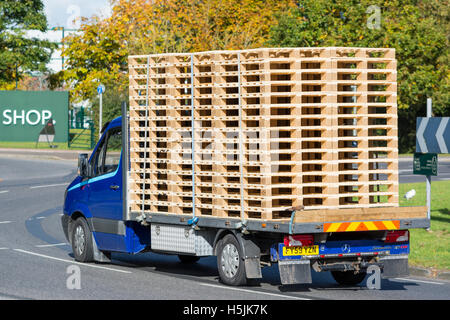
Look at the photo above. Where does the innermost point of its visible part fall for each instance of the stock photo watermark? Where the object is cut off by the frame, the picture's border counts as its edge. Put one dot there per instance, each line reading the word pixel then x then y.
pixel 74 19
pixel 374 20
pixel 73 281
pixel 373 282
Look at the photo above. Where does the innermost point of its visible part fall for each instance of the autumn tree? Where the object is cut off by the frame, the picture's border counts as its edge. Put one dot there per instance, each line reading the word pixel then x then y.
pixel 98 53
pixel 417 29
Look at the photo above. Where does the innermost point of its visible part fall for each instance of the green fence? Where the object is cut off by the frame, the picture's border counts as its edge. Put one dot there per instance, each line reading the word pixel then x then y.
pixel 81 130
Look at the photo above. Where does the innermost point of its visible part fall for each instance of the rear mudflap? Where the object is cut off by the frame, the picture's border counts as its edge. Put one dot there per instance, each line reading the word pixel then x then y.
pixel 294 271
pixel 395 266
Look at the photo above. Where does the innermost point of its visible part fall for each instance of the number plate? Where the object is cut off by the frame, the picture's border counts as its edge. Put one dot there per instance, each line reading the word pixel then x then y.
pixel 301 251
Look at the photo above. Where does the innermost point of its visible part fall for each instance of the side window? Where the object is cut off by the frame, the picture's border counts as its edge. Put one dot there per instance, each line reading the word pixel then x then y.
pixel 113 150
pixel 98 160
pixel 107 158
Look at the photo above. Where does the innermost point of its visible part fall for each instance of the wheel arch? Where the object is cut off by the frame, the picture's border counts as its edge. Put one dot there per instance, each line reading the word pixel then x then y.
pixel 251 251
pixel 77 214
pixel 72 218
pixel 248 246
pixel 220 235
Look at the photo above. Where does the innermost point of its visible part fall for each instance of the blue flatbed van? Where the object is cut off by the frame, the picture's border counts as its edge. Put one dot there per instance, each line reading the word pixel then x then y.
pixel 97 221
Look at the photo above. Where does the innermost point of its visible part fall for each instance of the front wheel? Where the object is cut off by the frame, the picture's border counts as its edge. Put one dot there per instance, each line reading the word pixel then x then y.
pixel 82 241
pixel 348 278
pixel 230 262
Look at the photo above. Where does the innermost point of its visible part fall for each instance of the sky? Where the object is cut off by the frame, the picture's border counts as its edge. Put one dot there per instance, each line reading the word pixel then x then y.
pixel 62 13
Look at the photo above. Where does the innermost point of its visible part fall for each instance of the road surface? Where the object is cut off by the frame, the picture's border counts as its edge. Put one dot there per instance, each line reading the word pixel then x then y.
pixel 36 261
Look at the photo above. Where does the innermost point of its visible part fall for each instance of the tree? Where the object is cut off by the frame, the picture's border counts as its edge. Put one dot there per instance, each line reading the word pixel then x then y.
pixel 18 52
pixel 417 29
pixel 99 52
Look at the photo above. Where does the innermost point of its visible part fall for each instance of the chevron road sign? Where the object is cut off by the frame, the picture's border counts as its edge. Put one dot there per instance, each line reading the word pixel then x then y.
pixel 433 135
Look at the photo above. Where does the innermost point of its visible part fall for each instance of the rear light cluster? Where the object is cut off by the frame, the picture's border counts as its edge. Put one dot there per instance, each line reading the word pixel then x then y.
pixel 299 240
pixel 397 236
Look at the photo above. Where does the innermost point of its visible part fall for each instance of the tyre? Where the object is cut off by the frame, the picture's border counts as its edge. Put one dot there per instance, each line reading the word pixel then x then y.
pixel 348 278
pixel 82 241
pixel 188 259
pixel 230 262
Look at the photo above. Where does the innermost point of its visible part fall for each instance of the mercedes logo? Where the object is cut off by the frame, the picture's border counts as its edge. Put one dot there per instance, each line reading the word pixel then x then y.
pixel 346 248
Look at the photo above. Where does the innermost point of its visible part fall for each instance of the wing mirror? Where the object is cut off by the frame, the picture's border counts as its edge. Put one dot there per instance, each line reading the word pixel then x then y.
pixel 83 165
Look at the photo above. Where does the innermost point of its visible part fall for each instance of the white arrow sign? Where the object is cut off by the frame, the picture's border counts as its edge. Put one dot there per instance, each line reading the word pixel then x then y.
pixel 433 135
pixel 440 135
pixel 420 138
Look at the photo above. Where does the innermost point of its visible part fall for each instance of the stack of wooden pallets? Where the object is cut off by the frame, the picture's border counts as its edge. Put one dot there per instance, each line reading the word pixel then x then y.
pixel 273 129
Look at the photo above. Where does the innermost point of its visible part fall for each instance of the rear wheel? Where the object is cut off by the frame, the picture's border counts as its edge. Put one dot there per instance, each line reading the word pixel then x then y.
pixel 82 241
pixel 188 259
pixel 230 262
pixel 348 278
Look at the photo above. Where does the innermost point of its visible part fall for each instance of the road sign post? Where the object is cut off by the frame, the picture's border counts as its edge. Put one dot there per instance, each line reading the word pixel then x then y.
pixel 429 115
pixel 100 115
pixel 100 91
pixel 433 137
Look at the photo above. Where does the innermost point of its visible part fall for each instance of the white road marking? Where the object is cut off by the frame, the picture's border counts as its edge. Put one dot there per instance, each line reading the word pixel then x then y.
pixel 4 191
pixel 70 261
pixel 4 248
pixel 52 245
pixel 253 291
pixel 5 222
pixel 421 281
pixel 49 185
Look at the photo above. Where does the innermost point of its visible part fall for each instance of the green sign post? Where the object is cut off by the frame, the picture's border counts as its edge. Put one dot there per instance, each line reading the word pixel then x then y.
pixel 425 164
pixel 23 114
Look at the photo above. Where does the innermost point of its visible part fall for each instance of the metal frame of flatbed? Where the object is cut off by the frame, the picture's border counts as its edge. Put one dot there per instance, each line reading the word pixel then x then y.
pixel 257 225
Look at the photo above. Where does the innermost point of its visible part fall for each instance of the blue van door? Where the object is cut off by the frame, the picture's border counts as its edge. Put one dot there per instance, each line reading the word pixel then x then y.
pixel 105 194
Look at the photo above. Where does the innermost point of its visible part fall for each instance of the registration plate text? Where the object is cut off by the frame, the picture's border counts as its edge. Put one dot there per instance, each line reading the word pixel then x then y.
pixel 301 251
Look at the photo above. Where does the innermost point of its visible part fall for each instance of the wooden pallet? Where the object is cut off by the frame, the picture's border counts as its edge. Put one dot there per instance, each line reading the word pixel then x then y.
pixel 274 128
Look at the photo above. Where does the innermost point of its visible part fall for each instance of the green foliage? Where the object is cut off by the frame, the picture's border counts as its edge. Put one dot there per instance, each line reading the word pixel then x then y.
pixel 417 29
pixel 99 52
pixel 17 51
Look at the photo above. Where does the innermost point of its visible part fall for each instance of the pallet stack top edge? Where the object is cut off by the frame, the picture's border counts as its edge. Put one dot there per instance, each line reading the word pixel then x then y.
pixel 279 49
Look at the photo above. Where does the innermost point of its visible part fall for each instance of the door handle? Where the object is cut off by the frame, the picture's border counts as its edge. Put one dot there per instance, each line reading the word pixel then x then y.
pixel 114 187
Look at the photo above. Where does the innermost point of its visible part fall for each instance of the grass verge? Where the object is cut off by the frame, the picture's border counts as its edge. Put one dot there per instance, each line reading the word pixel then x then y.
pixel 430 248
pixel 82 141
pixel 32 145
